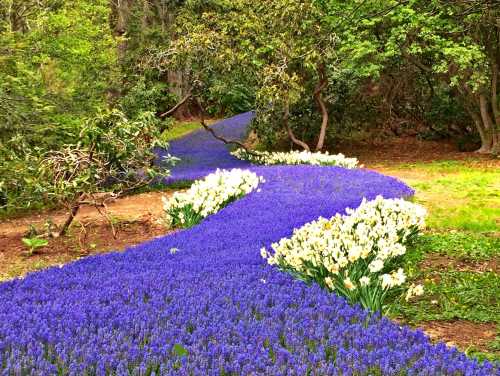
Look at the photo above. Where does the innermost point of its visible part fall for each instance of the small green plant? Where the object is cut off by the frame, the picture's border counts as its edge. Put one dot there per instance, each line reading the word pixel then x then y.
pixel 180 351
pixel 33 244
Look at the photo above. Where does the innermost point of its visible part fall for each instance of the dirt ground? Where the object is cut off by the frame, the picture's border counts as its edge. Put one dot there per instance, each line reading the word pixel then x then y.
pixel 460 333
pixel 136 219
pixel 409 150
pixel 133 219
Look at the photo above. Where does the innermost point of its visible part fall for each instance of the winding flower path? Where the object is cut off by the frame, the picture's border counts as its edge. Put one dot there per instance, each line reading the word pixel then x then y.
pixel 203 302
pixel 201 153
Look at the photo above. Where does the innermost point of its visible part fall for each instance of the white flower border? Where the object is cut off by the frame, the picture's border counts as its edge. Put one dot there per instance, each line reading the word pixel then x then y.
pixel 296 158
pixel 353 251
pixel 209 195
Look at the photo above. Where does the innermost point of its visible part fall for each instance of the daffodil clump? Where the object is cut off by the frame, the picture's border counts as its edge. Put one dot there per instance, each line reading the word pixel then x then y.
pixel 208 196
pixel 296 158
pixel 357 255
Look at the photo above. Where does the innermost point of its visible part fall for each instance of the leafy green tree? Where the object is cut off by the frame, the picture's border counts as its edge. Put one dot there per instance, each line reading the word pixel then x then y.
pixel 455 42
pixel 225 41
pixel 57 66
pixel 114 155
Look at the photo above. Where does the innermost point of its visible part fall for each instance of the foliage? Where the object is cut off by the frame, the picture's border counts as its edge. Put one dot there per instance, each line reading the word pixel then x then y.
pixel 452 42
pixel 253 40
pixel 146 96
pixel 34 243
pixel 113 153
pixel 208 196
pixel 19 168
pixel 56 66
pixel 399 60
pixel 355 255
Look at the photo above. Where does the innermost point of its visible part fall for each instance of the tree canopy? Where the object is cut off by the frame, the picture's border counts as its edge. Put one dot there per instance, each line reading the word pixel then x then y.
pixel 315 72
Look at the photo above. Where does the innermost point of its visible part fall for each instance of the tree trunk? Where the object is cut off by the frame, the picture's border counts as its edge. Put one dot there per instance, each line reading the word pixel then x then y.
pixel 16 19
pixel 324 112
pixel 176 79
pixel 494 98
pixel 146 19
pixel 489 139
pixel 482 133
pixel 72 214
pixel 291 135
pixel 121 9
pixel 477 107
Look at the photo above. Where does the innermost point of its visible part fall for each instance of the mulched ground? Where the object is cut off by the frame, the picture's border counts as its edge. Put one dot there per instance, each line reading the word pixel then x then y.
pixel 410 150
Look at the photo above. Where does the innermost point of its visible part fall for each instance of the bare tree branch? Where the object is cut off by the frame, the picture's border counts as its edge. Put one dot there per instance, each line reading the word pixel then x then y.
pixel 215 135
pixel 176 107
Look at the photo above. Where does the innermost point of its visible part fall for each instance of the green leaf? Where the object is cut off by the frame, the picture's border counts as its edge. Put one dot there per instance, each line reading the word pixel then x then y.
pixel 180 351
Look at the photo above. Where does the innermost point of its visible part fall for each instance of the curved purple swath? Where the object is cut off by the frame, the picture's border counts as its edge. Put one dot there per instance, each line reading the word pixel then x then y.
pixel 214 307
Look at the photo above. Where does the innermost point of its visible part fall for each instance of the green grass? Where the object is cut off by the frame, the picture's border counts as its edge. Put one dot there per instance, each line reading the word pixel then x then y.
pixel 463 201
pixel 451 295
pixel 459 195
pixel 179 129
pixel 461 245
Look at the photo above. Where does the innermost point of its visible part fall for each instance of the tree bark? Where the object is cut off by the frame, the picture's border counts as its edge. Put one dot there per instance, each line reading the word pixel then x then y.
pixel 121 9
pixel 480 129
pixel 291 135
pixel 72 214
pixel 478 107
pixel 176 79
pixel 489 129
pixel 324 112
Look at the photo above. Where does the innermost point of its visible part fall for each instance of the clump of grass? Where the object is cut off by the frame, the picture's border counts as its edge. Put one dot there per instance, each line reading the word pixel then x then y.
pixel 453 295
pixel 179 129
pixel 461 245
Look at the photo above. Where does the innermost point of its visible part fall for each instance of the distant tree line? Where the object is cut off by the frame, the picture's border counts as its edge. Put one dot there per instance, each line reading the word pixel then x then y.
pixel 315 72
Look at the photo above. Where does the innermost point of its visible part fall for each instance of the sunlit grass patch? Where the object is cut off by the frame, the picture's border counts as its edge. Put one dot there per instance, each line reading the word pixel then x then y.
pixel 181 128
pixel 462 245
pixel 458 194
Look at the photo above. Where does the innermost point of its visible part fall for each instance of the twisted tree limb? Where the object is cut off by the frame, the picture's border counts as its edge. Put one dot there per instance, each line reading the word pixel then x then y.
pixel 291 135
pixel 215 135
pixel 319 100
pixel 176 107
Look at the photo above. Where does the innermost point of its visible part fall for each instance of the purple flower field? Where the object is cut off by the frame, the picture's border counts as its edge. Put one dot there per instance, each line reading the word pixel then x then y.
pixel 214 307
pixel 201 153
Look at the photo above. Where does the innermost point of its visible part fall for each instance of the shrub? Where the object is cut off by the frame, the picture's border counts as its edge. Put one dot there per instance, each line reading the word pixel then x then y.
pixel 296 158
pixel 356 255
pixel 208 196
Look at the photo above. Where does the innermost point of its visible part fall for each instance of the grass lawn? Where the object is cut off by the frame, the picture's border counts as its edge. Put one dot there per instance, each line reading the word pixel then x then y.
pixel 457 260
pixel 182 128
